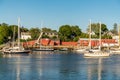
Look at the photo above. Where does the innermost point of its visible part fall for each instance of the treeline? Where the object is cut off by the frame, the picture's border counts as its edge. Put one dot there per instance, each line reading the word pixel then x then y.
pixel 65 32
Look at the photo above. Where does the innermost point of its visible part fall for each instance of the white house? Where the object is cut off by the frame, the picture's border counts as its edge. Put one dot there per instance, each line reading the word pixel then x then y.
pixel 25 35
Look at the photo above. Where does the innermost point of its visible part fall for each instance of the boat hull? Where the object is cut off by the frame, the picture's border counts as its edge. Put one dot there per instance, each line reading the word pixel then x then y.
pixel 17 52
pixel 97 54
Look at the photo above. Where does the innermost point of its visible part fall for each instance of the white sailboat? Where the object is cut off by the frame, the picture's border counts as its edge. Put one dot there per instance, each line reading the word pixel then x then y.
pixel 96 53
pixel 18 48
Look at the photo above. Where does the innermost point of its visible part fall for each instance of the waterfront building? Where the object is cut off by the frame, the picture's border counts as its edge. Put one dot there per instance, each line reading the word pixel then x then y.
pixel 51 34
pixel 25 35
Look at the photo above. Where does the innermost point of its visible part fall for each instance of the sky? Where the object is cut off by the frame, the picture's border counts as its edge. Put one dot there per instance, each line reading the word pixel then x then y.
pixel 55 13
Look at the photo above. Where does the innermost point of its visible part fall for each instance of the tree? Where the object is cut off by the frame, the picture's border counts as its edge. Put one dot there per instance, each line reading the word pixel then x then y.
pixel 35 32
pixel 4 33
pixel 23 29
pixel 54 37
pixel 76 31
pixel 65 33
pixel 84 35
pixel 45 36
pixel 69 33
pixel 46 29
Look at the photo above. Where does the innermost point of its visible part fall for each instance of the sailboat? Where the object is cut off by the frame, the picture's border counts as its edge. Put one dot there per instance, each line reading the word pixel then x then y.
pixel 18 48
pixel 97 53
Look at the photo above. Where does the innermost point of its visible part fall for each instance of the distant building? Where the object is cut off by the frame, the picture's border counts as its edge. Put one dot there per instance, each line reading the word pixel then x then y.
pixel 25 35
pixel 51 34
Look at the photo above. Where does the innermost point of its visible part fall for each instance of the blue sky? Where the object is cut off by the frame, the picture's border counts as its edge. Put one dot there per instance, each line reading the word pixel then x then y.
pixel 54 13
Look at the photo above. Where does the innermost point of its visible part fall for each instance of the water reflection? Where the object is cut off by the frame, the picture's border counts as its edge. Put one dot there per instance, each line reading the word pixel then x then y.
pixel 18 70
pixel 58 66
pixel 99 68
pixel 94 69
pixel 103 68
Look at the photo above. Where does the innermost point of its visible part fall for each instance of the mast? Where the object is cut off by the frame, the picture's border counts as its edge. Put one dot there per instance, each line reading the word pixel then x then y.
pixel 90 35
pixel 13 43
pixel 19 32
pixel 41 32
pixel 100 36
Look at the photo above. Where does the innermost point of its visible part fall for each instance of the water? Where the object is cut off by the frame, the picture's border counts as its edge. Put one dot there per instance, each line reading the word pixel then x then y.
pixel 58 66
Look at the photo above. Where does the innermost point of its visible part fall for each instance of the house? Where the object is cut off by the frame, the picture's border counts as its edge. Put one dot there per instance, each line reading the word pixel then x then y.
pixel 25 35
pixel 51 34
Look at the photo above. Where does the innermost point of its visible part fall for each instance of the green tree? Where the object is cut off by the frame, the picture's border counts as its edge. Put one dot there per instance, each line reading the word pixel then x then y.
pixel 35 32
pixel 54 37
pixel 84 35
pixel 4 33
pixel 65 33
pixel 45 36
pixel 46 29
pixel 23 29
pixel 69 33
pixel 76 31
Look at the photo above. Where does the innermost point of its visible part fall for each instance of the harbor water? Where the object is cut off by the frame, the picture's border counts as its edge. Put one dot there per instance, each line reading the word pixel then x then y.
pixel 58 66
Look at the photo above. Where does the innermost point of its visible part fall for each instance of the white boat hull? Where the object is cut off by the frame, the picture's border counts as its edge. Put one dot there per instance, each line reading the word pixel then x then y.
pixel 16 52
pixel 96 54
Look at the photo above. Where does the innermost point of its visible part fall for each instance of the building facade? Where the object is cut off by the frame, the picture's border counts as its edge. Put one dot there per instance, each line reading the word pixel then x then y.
pixel 25 35
pixel 51 34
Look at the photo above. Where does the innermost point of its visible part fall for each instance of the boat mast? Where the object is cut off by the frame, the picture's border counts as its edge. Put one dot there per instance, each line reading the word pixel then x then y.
pixel 41 32
pixel 90 35
pixel 13 43
pixel 19 32
pixel 100 37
